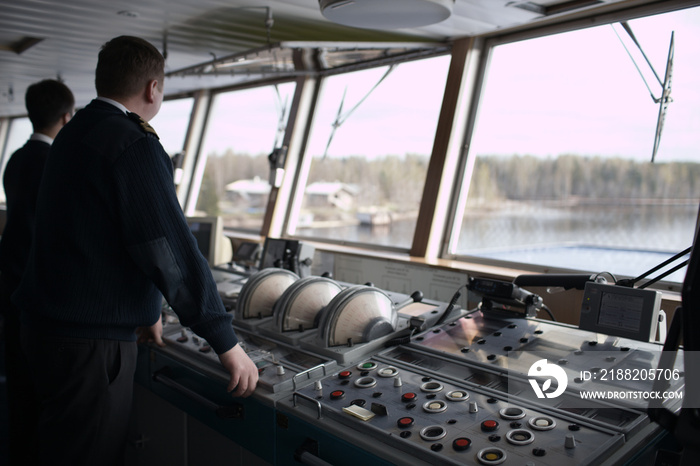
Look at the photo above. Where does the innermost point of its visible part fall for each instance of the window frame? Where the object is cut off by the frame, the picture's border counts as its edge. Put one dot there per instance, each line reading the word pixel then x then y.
pixel 464 173
pixel 197 163
pixel 304 166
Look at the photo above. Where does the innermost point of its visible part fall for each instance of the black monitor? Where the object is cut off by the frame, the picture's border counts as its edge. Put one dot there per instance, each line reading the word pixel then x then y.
pixel 287 254
pixel 209 233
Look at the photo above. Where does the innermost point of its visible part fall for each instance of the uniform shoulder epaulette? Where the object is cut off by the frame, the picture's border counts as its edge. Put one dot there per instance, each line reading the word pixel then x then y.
pixel 143 124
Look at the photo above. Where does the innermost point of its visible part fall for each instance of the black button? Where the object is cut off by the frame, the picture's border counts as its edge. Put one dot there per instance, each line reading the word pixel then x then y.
pixel 379 409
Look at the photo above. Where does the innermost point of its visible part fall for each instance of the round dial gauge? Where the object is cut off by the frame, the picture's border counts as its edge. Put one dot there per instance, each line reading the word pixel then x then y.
pixel 262 290
pixel 358 315
pixel 299 306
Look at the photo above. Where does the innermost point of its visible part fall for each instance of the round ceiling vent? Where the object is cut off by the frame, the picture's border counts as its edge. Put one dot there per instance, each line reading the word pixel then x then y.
pixel 386 14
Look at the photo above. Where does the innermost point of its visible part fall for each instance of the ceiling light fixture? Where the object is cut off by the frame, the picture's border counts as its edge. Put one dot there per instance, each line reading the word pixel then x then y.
pixel 20 45
pixel 386 14
pixel 128 13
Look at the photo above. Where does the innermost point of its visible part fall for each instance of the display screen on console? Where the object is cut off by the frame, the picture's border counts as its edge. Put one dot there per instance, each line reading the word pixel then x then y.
pixel 621 311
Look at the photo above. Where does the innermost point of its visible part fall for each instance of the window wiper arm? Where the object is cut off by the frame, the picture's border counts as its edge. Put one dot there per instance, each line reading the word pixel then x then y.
pixel 340 117
pixel 665 97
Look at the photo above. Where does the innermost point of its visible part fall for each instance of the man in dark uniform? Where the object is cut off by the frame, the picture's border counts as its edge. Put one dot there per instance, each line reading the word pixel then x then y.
pixel 111 237
pixel 50 104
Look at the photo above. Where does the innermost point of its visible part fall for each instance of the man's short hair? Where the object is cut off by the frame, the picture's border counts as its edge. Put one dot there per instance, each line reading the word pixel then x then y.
pixel 125 65
pixel 47 101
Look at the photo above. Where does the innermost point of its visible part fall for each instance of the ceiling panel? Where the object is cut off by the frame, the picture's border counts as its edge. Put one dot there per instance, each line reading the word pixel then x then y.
pixel 194 32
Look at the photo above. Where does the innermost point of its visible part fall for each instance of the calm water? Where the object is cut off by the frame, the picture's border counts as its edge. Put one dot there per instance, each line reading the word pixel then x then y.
pixel 624 240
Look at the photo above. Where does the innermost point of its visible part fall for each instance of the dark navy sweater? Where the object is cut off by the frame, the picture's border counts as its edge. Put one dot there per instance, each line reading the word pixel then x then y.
pixel 111 237
pixel 21 180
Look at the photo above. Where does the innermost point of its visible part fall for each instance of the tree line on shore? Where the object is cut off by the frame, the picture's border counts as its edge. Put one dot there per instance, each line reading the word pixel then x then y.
pixel 397 181
pixel 572 176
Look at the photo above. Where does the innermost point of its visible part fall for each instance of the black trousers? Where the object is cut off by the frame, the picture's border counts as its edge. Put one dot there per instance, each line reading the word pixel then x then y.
pixel 85 388
pixel 22 405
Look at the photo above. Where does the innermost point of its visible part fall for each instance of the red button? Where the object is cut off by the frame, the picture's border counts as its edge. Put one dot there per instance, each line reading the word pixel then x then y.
pixel 344 374
pixel 489 425
pixel 338 394
pixel 410 396
pixel 461 444
pixel 405 422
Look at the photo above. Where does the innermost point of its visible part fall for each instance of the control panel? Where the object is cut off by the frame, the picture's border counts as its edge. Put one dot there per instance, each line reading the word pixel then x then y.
pixel 439 421
pixel 280 367
pixel 412 381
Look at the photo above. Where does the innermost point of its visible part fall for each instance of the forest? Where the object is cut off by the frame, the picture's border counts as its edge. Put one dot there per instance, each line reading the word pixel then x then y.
pixel 396 183
pixel 593 178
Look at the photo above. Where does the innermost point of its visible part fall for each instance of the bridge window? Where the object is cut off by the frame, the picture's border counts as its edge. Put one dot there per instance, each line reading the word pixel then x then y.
pixel 171 125
pixel 562 177
pixel 244 126
pixel 370 142
pixel 18 134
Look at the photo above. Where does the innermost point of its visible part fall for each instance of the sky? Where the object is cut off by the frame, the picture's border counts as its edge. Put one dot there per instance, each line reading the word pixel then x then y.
pixel 244 120
pixel 584 93
pixel 576 92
